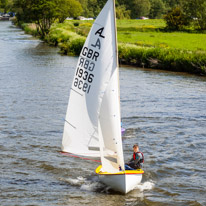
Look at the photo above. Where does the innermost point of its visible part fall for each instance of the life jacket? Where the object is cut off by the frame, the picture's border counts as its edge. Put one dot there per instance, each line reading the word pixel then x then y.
pixel 141 160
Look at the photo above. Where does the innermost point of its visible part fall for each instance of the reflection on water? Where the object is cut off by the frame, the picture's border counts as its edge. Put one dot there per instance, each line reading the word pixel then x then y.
pixel 163 111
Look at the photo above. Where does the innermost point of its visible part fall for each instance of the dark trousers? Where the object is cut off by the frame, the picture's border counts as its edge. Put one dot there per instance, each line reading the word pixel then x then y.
pixel 134 166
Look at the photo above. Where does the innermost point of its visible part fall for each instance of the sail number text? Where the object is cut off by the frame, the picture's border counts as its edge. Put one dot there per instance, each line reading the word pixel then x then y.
pixel 86 67
pixel 83 76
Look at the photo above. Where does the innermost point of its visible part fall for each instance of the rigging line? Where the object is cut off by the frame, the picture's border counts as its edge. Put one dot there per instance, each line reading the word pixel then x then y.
pixel 71 155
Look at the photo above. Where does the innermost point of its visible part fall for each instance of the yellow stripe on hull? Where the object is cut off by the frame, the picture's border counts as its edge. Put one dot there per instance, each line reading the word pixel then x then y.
pixel 137 171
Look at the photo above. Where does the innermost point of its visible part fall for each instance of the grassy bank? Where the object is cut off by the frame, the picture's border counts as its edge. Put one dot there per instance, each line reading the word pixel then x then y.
pixel 142 43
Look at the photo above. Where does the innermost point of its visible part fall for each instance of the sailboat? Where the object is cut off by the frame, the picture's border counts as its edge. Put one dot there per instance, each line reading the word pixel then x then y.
pixel 93 123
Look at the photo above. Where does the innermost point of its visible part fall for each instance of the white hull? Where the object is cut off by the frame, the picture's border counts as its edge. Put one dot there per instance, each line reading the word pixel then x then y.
pixel 123 181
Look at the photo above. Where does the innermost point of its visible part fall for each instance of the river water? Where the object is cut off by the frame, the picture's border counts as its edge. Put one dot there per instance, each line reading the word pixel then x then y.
pixel 164 112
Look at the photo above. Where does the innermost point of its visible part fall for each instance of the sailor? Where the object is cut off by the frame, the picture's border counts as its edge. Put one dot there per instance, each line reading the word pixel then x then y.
pixel 137 159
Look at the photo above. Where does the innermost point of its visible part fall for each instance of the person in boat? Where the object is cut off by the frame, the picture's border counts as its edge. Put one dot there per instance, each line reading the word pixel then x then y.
pixel 137 159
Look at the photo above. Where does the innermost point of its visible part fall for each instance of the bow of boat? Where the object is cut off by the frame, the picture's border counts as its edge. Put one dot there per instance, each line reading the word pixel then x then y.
pixel 122 181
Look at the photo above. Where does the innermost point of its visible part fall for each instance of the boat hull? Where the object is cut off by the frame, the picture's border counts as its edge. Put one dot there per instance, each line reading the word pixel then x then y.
pixel 123 181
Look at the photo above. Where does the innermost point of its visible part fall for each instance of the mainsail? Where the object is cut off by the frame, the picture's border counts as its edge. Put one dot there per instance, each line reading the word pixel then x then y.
pixel 92 125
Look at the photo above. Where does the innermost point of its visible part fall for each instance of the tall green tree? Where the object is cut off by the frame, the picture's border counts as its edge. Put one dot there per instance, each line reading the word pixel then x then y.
pixel 94 8
pixel 170 4
pixel 139 8
pixel 45 12
pixel 122 12
pixel 84 4
pixel 68 8
pixel 4 4
pixel 157 9
pixel 196 10
pixel 91 8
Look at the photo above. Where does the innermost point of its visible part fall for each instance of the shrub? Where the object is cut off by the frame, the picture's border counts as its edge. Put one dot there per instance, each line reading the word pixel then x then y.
pixel 163 58
pixel 29 28
pixel 58 35
pixel 176 20
pixel 73 46
pixel 76 23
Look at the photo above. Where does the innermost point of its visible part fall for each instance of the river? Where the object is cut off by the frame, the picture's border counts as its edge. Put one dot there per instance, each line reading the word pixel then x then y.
pixel 165 112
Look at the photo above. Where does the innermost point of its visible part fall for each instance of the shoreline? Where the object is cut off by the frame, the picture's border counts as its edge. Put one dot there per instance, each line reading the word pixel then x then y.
pixel 70 39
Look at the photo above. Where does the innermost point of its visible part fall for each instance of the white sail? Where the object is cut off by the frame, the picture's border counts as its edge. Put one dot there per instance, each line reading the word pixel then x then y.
pixel 93 116
pixel 110 126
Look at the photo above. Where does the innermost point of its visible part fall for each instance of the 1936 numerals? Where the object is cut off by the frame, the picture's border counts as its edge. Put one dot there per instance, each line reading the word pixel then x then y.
pixel 83 80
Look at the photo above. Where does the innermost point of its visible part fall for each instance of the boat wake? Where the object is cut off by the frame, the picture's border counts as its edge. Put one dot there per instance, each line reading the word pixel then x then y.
pixel 87 184
pixel 145 186
pixel 75 182
pixel 92 184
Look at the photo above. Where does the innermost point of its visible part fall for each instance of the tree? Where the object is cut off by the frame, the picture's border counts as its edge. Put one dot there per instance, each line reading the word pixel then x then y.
pixel 157 9
pixel 170 4
pixel 122 13
pixel 68 8
pixel 3 5
pixel 196 10
pixel 9 6
pixel 91 8
pixel 84 4
pixel 176 19
pixel 94 8
pixel 139 8
pixel 45 12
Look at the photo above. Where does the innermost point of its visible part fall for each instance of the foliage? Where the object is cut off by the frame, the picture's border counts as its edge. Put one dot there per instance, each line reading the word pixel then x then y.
pixel 157 9
pixel 176 19
pixel 166 59
pixel 6 5
pixel 44 12
pixel 122 12
pixel 29 29
pixel 197 10
pixel 3 4
pixel 170 4
pixel 83 28
pixel 139 8
pixel 71 8
pixel 91 8
pixel 73 47
pixel 64 36
pixel 177 51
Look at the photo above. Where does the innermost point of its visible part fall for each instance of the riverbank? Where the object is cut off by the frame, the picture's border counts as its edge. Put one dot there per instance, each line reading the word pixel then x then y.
pixel 142 43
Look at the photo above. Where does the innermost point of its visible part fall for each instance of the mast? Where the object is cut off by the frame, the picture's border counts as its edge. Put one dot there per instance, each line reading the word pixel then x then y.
pixel 115 24
pixel 116 49
pixel 117 63
pixel 117 58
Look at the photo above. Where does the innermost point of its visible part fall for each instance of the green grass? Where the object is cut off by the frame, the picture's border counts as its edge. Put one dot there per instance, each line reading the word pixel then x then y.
pixel 150 33
pixel 178 40
pixel 157 23
pixel 147 33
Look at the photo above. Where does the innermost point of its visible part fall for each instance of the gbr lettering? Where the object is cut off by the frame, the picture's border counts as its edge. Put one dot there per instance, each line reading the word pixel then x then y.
pixel 84 75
